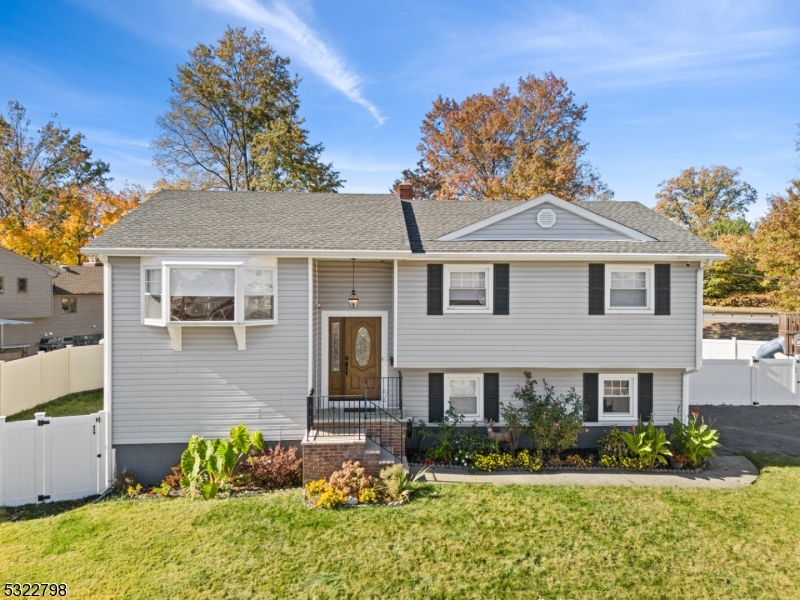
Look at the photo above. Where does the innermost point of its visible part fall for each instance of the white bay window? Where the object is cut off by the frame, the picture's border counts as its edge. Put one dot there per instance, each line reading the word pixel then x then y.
pixel 210 292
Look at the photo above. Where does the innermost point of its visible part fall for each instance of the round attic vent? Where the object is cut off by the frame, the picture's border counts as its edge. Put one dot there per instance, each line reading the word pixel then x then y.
pixel 546 218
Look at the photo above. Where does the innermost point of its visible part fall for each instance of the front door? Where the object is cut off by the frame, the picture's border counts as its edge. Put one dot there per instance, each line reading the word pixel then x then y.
pixel 354 354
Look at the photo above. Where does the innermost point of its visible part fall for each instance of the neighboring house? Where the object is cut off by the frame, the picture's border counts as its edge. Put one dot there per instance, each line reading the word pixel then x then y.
pixel 61 301
pixel 228 307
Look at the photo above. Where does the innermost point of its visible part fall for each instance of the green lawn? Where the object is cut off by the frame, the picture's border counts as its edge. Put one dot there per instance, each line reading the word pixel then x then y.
pixel 79 403
pixel 451 541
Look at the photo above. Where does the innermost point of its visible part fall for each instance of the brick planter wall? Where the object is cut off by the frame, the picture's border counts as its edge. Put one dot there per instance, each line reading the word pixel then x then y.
pixel 320 459
pixel 391 434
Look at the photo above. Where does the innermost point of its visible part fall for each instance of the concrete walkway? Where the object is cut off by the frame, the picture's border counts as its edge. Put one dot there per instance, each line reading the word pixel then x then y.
pixel 727 472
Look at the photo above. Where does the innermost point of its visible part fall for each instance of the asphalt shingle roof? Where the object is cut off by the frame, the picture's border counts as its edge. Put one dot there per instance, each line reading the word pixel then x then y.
pixel 437 218
pixel 261 220
pixel 74 280
pixel 178 219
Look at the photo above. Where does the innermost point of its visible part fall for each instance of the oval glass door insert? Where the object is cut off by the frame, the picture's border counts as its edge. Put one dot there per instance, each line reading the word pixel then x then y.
pixel 363 346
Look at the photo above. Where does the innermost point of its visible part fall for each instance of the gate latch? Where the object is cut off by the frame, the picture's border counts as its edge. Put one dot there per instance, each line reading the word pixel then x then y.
pixel 41 422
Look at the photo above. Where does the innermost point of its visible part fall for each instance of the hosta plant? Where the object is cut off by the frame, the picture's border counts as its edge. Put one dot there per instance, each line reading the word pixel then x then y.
pixel 649 444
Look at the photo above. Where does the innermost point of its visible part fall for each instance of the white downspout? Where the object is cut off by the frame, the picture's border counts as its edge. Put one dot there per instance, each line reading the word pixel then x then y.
pixel 394 317
pixel 107 381
pixel 698 361
pixel 310 325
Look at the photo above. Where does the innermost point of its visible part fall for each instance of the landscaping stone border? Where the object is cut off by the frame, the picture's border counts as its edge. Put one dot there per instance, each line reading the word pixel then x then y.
pixel 666 471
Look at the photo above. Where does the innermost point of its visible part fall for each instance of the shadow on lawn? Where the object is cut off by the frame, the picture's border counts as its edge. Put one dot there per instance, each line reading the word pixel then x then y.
pixel 765 459
pixel 28 512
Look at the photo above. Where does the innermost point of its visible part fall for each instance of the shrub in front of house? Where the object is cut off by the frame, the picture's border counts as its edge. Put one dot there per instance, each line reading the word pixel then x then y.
pixel 272 469
pixel 694 442
pixel 550 421
pixel 648 443
pixel 453 444
pixel 352 486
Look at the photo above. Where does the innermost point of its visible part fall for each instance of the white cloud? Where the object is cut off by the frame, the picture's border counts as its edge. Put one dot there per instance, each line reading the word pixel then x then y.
pixel 304 44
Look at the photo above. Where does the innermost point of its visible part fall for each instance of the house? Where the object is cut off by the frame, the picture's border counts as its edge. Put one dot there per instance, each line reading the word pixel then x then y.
pixel 59 301
pixel 331 319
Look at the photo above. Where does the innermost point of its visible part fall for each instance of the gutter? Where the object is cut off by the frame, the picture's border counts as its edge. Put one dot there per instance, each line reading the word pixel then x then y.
pixel 698 360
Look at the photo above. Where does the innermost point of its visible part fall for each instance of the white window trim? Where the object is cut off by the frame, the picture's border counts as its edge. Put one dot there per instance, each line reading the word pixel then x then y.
pixel 237 264
pixel 456 268
pixel 448 377
pixel 650 308
pixel 634 412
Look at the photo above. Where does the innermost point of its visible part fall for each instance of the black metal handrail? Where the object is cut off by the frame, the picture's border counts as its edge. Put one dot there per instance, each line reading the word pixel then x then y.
pixel 375 415
pixel 386 391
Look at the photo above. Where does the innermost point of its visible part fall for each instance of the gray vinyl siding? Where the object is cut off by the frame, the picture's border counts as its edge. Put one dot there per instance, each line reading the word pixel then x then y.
pixel 37 301
pixel 163 396
pixel 548 325
pixel 374 284
pixel 667 388
pixel 523 226
pixel 87 321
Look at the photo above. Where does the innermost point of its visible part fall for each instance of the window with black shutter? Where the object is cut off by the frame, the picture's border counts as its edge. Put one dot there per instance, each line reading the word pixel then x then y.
pixel 645 389
pixel 435 397
pixel 663 293
pixel 597 289
pixel 435 289
pixel 501 281
pixel 491 396
pixel 591 398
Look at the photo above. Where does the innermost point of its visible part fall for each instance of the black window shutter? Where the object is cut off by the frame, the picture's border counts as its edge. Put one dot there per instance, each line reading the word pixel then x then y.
pixel 662 290
pixel 435 289
pixel 597 289
pixel 435 397
pixel 491 396
pixel 501 302
pixel 591 397
pixel 645 396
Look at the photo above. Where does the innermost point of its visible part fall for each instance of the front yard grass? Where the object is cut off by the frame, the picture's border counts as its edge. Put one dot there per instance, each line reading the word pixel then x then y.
pixel 451 541
pixel 79 403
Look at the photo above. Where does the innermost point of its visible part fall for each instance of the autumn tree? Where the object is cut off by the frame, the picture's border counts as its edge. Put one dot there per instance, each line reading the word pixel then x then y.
pixel 54 196
pixel 34 168
pixel 699 197
pixel 777 243
pixel 506 146
pixel 233 122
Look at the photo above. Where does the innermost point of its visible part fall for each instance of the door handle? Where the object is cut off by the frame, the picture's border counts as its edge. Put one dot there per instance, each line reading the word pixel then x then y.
pixel 346 364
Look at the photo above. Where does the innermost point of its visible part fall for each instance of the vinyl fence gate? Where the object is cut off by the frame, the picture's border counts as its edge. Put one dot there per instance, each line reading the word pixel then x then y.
pixel 53 458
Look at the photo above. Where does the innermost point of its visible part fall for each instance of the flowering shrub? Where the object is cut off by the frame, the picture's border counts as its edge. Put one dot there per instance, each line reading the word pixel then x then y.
pixel 494 461
pixel 350 480
pixel 532 463
pixel 455 445
pixel 275 468
pixel 625 462
pixel 367 496
pixel 331 499
pixel 576 460
pixel 316 487
pixel 552 422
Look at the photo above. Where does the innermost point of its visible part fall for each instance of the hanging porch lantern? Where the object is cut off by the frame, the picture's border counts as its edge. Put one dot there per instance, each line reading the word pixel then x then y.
pixel 353 299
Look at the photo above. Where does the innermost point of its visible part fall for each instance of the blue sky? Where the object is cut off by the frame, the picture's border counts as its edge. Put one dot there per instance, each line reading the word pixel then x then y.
pixel 669 84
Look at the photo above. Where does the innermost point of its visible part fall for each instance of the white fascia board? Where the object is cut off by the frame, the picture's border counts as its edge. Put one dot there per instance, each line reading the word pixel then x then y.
pixel 563 256
pixel 237 252
pixel 555 201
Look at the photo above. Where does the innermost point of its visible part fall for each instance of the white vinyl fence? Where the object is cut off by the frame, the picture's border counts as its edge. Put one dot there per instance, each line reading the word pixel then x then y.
pixel 27 382
pixel 51 459
pixel 765 381
pixel 730 349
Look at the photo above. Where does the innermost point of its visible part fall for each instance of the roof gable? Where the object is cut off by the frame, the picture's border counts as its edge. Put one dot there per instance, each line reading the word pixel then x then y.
pixel 546 218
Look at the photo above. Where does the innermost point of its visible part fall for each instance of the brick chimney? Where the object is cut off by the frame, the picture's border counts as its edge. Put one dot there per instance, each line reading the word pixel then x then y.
pixel 406 191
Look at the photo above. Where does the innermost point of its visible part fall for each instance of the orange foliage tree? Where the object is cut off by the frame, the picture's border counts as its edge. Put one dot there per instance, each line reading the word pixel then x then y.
pixel 76 216
pixel 506 146
pixel 777 241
